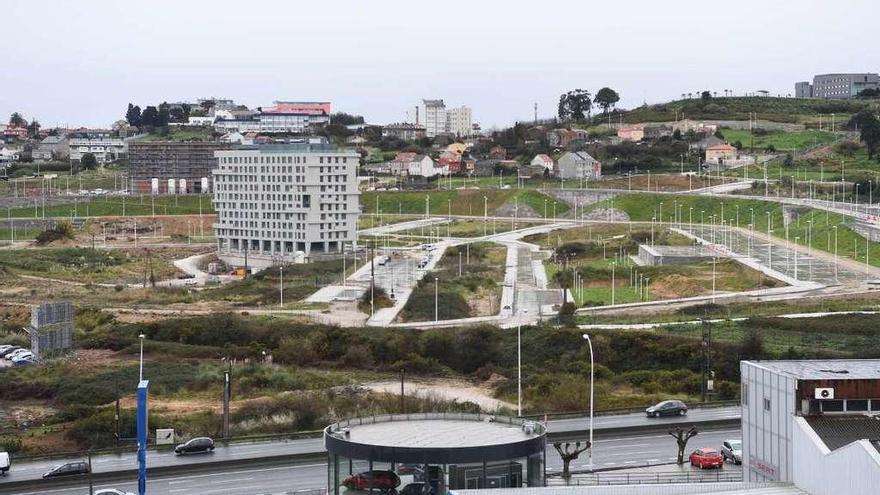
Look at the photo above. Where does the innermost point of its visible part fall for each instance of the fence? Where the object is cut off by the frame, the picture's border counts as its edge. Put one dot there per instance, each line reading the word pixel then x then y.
pixel 645 478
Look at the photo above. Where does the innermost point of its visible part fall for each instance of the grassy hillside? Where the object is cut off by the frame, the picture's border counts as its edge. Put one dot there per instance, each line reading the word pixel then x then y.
pixel 643 207
pixel 794 110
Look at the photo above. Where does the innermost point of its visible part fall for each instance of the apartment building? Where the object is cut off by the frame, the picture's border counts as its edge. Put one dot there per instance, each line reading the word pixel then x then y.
pixel 837 86
pixel 459 122
pixel 285 202
pixel 166 167
pixel 101 143
pixel 437 119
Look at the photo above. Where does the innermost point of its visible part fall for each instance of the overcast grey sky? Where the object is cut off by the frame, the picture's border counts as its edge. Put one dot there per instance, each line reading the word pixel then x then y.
pixel 81 62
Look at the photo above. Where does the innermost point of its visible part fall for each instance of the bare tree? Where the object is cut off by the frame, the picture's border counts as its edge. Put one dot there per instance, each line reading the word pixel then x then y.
pixel 681 438
pixel 568 453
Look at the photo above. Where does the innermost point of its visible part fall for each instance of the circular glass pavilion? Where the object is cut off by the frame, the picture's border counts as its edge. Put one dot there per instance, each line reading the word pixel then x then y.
pixel 430 453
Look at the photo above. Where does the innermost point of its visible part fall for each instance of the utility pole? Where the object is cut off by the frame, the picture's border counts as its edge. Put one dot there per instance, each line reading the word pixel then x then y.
pixel 402 396
pixel 227 396
pixel 706 384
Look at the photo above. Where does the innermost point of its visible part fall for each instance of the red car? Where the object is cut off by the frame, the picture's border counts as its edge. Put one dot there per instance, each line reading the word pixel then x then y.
pixel 385 481
pixel 706 458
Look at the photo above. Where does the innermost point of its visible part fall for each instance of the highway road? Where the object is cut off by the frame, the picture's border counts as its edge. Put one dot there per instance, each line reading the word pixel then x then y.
pixel 610 452
pixel 255 450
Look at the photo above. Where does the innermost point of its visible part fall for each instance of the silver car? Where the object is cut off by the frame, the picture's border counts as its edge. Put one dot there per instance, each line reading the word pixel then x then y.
pixel 731 450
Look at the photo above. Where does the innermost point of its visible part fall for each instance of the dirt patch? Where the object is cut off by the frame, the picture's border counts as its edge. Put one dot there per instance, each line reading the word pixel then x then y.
pixel 510 210
pixel 445 389
pixel 820 152
pixel 85 359
pixel 675 286
pixel 23 414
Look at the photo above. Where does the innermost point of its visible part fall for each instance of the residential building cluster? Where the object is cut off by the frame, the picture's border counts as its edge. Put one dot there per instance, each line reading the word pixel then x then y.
pixel 437 119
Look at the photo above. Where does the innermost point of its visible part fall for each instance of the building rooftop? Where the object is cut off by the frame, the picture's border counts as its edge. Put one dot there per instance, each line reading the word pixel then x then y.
pixel 840 431
pixel 828 369
pixel 294 148
pixel 439 431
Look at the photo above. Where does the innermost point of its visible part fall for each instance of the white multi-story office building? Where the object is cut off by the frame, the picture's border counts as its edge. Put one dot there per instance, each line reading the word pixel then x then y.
pixel 280 202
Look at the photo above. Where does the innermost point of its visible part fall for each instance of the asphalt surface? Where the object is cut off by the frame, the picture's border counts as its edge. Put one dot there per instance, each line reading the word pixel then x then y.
pixel 603 428
pixel 609 453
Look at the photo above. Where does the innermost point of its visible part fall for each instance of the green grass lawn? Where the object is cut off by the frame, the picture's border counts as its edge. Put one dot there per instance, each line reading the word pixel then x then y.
pixel 136 205
pixel 457 202
pixel 780 140
pixel 476 292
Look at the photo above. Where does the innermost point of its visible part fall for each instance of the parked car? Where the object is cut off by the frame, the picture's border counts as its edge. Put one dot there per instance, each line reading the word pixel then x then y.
pixel 667 408
pixel 385 481
pixel 199 445
pixel 410 468
pixel 417 488
pixel 24 360
pixel 9 351
pixel 68 469
pixel 18 352
pixel 706 458
pixel 111 491
pixel 731 450
pixel 5 463
pixel 6 348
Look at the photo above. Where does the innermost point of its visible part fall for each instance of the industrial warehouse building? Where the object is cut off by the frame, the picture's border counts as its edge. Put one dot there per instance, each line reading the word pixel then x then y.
pixel 285 202
pixel 169 167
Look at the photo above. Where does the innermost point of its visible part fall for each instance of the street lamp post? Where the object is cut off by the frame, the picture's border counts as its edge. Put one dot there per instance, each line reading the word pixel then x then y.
pixel 612 282
pixel 436 307
pixel 141 337
pixel 281 286
pixel 590 345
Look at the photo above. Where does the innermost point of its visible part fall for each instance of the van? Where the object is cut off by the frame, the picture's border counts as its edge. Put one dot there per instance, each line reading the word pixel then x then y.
pixel 383 260
pixel 5 463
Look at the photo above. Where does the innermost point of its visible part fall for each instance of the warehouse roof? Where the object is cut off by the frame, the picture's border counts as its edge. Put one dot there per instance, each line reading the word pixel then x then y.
pixel 825 369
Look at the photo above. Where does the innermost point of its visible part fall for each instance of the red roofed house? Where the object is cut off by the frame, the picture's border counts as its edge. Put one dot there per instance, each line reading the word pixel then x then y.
pixel 450 160
pixel 498 153
pixel 294 116
pixel 635 133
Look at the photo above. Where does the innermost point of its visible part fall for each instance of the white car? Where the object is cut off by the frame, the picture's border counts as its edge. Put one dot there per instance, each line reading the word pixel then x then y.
pixel 18 353
pixel 111 491
pixel 5 347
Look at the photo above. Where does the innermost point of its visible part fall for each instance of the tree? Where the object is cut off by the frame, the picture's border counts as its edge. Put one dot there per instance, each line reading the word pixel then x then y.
pixel 568 453
pixel 133 115
pixel 869 93
pixel 606 98
pixel 870 135
pixel 88 161
pixel 676 134
pixel 575 105
pixel 150 117
pixel 16 120
pixel 164 115
pixel 343 119
pixel 681 438
pixel 706 96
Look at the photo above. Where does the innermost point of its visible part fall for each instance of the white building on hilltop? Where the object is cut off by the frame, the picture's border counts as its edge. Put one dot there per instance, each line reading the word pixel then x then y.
pixel 279 202
pixel 437 119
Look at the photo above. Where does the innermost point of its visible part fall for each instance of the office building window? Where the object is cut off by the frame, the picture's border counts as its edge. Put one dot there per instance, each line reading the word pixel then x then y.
pixel 766 404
